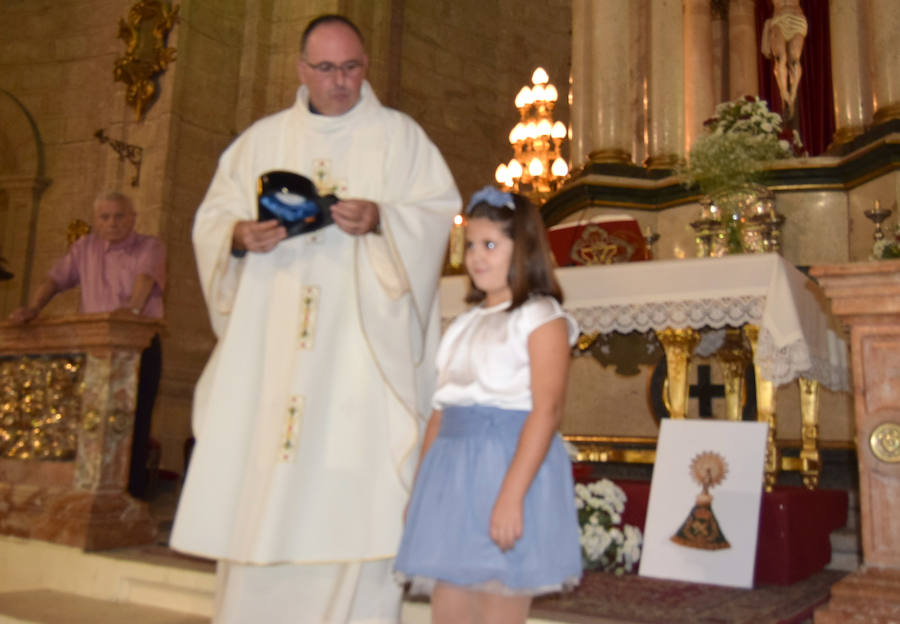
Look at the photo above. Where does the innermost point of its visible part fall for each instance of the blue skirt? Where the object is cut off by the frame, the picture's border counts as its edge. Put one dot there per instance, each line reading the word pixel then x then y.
pixel 447 536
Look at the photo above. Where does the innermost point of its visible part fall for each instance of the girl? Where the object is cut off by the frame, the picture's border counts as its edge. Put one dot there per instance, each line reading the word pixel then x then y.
pixel 491 521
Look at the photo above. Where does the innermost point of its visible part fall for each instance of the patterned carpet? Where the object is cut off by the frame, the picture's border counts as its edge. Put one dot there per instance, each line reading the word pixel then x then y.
pixel 606 598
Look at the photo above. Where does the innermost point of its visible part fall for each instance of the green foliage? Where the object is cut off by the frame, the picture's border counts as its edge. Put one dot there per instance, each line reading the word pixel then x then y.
pixel 740 141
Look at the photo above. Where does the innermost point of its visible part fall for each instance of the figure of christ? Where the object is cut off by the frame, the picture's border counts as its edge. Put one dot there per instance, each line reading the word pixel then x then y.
pixel 782 41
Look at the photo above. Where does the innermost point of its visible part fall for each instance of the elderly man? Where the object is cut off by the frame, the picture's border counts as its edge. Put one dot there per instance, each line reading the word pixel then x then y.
pixel 308 413
pixel 117 269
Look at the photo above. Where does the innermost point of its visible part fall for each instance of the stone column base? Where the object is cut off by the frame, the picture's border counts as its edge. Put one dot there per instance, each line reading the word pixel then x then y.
pixel 867 596
pixel 87 520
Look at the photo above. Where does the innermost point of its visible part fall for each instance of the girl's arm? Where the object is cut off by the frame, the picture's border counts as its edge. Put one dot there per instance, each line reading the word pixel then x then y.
pixel 431 431
pixel 548 352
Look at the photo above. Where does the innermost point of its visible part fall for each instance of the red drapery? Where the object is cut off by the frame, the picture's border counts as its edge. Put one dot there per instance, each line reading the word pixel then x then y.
pixel 815 99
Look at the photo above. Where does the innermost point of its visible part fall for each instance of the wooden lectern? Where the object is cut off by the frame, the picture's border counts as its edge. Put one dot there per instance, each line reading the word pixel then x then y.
pixel 69 386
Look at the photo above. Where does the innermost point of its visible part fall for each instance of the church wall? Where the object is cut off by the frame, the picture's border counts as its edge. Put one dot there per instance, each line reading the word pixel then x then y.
pixel 201 120
pixel 463 64
pixel 21 175
pixel 885 189
pixel 54 56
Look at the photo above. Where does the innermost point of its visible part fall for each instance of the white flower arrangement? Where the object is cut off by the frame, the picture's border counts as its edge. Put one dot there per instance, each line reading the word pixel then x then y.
pixel 887 249
pixel 742 138
pixel 605 544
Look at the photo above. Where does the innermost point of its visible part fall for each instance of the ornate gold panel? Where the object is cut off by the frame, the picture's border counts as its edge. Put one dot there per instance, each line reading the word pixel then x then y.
pixel 40 406
pixel 885 442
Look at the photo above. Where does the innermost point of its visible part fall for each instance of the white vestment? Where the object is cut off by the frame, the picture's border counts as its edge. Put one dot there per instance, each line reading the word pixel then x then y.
pixel 307 415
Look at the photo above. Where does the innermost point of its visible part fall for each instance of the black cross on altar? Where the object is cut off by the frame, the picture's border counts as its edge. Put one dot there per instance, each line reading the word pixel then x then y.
pixel 705 391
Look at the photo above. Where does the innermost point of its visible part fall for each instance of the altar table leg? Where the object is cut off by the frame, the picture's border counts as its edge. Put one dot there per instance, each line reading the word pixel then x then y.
pixel 765 411
pixel 678 345
pixel 733 357
pixel 810 463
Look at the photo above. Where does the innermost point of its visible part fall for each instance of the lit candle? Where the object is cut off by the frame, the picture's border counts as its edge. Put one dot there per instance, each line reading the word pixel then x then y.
pixel 457 241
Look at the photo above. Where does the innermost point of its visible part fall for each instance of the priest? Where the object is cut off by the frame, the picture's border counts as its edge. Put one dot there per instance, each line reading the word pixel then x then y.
pixel 307 415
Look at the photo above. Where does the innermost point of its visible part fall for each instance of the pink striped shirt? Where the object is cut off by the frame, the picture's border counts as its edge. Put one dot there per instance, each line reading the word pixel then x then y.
pixel 106 272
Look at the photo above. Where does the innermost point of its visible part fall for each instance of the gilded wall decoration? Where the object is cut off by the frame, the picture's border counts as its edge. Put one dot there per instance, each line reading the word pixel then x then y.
pixel 146 55
pixel 75 230
pixel 40 406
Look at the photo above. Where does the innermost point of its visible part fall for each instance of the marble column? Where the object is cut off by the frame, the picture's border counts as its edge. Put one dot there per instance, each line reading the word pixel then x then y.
pixel 866 297
pixel 639 13
pixel 743 49
pixel 719 25
pixel 884 24
pixel 600 81
pixel 665 118
pixel 699 101
pixel 850 78
pixel 580 88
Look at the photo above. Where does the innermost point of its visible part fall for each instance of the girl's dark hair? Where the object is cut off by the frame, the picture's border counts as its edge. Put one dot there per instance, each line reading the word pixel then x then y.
pixel 531 266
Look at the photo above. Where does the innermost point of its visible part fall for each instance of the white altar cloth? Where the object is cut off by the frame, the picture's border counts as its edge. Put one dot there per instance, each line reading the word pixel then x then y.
pixel 798 337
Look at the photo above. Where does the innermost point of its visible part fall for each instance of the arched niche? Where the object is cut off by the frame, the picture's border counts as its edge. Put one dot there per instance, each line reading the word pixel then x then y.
pixel 22 182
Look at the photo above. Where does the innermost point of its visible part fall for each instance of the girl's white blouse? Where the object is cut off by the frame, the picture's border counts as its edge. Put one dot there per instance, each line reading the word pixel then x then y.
pixel 483 356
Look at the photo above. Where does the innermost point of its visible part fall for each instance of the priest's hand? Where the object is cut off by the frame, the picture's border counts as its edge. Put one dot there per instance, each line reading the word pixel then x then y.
pixel 257 236
pixel 356 216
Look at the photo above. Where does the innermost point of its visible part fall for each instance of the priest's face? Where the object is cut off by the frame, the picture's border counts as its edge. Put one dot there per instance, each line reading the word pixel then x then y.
pixel 488 255
pixel 333 66
pixel 113 220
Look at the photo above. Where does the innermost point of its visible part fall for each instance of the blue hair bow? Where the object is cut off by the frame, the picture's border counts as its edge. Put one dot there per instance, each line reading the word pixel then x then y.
pixel 493 196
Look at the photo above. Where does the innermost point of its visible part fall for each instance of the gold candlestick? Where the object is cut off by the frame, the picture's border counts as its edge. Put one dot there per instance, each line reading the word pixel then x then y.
pixel 877 215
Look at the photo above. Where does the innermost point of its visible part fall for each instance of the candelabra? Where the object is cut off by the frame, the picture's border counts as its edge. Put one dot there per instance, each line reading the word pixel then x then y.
pixel 537 167
pixel 877 215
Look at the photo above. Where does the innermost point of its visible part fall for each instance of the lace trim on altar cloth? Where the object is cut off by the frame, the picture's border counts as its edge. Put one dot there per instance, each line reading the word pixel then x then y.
pixel 779 365
pixel 716 313
pixel 796 360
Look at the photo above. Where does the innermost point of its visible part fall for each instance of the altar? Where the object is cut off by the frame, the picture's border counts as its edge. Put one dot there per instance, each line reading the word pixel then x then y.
pixel 69 389
pixel 744 308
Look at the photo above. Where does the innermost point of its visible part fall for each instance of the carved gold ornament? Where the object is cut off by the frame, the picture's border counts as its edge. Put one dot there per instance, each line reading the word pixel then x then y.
pixel 146 55
pixel 76 229
pixel 885 442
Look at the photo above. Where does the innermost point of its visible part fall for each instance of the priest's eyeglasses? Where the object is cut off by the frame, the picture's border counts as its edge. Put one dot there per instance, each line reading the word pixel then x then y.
pixel 327 68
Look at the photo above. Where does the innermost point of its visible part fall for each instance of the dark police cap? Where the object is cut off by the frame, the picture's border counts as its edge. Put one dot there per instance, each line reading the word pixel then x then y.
pixel 292 199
